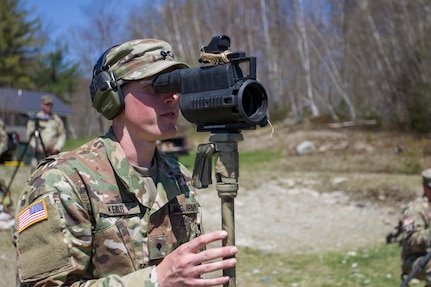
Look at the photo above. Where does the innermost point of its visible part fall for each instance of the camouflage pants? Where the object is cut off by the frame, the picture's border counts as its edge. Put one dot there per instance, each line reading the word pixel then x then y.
pixel 424 274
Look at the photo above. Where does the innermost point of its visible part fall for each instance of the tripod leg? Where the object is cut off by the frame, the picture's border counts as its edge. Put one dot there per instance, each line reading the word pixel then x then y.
pixel 227 188
pixel 7 200
pixel 225 147
pixel 38 139
pixel 227 192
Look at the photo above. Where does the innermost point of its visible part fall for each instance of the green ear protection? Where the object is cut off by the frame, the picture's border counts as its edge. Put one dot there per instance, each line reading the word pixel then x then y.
pixel 105 92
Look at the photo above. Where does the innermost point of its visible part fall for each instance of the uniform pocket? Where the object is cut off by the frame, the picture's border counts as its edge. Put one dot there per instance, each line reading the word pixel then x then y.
pixel 113 244
pixel 172 225
pixel 184 220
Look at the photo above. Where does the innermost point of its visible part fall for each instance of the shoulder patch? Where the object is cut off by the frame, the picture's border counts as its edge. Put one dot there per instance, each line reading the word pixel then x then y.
pixel 31 214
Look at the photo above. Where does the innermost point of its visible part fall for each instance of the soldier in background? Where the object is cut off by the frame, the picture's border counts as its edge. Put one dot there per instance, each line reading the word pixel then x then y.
pixel 6 220
pixel 415 222
pixel 51 129
pixel 117 211
pixel 3 137
pixel 6 216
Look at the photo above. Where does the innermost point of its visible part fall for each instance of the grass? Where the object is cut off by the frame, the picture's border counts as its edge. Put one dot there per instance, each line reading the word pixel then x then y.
pixel 7 259
pixel 377 267
pixel 74 143
pixel 246 159
pixel 7 250
pixel 371 266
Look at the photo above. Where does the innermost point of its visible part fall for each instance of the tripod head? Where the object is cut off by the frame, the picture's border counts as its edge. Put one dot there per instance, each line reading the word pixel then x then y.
pixel 37 118
pixel 219 145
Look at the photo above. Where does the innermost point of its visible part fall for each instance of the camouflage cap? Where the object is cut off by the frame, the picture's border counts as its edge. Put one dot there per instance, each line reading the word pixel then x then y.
pixel 46 99
pixel 142 58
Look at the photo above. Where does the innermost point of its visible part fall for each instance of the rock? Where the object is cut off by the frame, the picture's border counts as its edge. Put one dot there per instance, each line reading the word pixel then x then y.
pixel 306 147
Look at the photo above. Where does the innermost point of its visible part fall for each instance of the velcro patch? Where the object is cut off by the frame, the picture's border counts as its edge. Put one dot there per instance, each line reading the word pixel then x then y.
pixel 33 213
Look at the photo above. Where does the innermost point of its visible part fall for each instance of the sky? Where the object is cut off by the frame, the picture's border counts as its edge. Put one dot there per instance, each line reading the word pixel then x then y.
pixel 58 15
pixel 62 15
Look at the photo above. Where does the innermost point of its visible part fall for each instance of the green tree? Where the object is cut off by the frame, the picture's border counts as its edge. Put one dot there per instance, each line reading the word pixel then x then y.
pixel 19 44
pixel 56 75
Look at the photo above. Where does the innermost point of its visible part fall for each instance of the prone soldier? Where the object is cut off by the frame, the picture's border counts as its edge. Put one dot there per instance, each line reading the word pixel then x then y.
pixel 415 222
pixel 3 137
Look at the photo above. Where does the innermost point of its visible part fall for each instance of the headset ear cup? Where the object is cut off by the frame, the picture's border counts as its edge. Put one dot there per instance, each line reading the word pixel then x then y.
pixel 106 95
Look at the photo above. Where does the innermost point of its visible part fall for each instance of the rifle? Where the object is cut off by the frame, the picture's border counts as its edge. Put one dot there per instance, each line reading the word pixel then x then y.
pixel 415 270
pixel 392 237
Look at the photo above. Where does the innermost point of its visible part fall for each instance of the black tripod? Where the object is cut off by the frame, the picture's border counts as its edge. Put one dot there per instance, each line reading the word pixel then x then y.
pixel 6 201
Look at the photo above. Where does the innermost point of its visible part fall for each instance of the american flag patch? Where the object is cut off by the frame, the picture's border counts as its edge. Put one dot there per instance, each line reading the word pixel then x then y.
pixel 32 214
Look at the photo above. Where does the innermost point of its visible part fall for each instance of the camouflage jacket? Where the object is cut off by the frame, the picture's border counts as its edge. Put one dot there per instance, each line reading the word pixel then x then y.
pixel 88 218
pixel 51 129
pixel 416 219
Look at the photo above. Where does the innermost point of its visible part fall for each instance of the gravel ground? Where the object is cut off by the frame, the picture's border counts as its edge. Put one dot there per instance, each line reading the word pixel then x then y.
pixel 300 220
pixel 287 214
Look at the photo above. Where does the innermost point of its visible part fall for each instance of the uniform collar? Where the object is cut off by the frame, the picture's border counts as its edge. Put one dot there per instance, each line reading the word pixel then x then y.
pixel 148 194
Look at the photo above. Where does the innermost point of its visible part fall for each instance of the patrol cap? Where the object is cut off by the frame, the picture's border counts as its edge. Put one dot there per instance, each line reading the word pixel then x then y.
pixel 426 178
pixel 141 58
pixel 46 99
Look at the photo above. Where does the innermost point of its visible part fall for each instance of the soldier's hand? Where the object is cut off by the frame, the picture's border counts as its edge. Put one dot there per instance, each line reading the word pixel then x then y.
pixel 185 265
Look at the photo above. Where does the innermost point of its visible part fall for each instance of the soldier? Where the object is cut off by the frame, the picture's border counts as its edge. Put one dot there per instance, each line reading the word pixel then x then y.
pixel 415 222
pixel 116 211
pixel 3 137
pixel 6 219
pixel 51 130
pixel 6 144
pixel 6 216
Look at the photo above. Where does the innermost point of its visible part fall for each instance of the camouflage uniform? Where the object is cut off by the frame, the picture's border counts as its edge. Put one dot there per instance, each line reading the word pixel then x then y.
pixel 3 137
pixel 416 219
pixel 101 222
pixel 51 130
